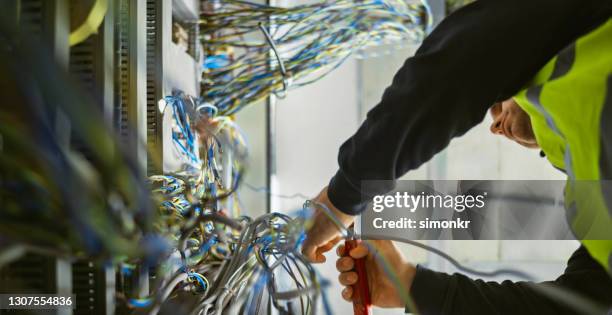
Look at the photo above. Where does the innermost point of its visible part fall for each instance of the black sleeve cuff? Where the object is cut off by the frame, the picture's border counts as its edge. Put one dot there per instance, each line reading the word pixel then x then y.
pixel 429 291
pixel 344 195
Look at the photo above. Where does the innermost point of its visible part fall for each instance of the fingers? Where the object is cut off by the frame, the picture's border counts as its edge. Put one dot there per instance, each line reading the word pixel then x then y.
pixel 309 249
pixel 315 253
pixel 358 252
pixel 319 257
pixel 348 278
pixel 320 238
pixel 325 248
pixel 314 247
pixel 347 294
pixel 340 250
pixel 345 264
pixel 322 232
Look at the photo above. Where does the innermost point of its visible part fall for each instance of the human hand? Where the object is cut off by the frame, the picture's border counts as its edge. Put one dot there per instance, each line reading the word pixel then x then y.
pixel 383 290
pixel 323 234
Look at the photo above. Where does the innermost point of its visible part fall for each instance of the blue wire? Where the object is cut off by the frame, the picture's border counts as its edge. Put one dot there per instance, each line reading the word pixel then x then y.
pixel 140 303
pixel 179 115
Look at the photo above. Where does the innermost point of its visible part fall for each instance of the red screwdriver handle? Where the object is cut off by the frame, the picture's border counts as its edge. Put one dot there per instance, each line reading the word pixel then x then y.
pixel 362 304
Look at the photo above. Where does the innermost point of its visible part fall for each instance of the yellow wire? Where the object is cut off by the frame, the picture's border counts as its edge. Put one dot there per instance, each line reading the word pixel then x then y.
pixel 91 24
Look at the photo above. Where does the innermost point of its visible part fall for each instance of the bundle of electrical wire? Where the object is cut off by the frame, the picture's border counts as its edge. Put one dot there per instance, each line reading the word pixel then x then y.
pixel 254 50
pixel 264 259
pixel 216 154
pixel 224 153
pixel 57 199
pixel 221 264
pixel 184 137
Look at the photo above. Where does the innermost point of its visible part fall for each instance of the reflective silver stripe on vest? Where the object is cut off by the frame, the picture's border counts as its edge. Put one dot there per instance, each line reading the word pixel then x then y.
pixel 533 95
pixel 565 61
pixel 570 213
pixel 563 64
pixel 605 154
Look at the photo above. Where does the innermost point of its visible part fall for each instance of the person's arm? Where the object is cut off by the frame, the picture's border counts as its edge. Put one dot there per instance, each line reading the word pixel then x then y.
pixel 583 288
pixel 483 53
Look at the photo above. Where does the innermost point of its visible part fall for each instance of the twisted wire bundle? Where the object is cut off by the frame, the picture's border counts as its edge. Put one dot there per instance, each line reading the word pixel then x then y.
pixel 255 50
pixel 183 136
pixel 220 264
pixel 214 147
pixel 224 153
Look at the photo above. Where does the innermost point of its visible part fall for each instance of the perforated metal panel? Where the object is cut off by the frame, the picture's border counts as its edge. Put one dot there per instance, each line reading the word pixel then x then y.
pixel 130 86
pixel 154 86
pixel 82 63
pixel 31 16
pixel 31 273
pixel 84 283
pixel 81 66
pixel 123 73
pixel 93 286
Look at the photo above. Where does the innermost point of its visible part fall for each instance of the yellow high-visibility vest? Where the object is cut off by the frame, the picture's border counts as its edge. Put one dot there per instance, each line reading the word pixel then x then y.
pixel 569 102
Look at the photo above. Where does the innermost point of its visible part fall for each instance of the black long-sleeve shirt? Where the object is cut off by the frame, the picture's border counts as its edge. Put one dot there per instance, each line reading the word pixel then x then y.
pixel 584 288
pixel 481 54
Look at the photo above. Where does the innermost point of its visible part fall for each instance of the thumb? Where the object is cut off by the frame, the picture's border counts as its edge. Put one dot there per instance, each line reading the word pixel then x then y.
pixel 317 243
pixel 360 251
pixel 309 248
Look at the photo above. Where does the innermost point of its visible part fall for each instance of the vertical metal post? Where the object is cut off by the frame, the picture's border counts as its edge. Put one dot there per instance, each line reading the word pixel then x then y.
pixel 270 150
pixel 105 62
pixel 105 75
pixel 158 86
pixel 270 143
pixel 109 279
pixel 63 280
pixel 56 29
pixel 270 155
pixel 137 102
